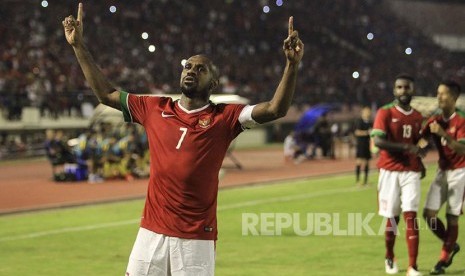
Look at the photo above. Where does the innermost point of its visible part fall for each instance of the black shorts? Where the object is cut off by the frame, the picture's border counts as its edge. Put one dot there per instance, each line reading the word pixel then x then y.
pixel 363 151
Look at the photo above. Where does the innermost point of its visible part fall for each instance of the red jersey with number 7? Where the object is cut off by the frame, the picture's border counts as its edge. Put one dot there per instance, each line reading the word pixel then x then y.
pixel 455 128
pixel 187 149
pixel 399 126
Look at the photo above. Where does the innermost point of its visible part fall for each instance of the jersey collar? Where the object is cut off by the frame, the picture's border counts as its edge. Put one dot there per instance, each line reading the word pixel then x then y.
pixel 401 110
pixel 194 110
pixel 450 118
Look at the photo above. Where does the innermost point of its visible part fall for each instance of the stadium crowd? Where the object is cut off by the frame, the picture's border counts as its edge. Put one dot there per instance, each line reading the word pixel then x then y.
pixel 36 65
pixel 38 69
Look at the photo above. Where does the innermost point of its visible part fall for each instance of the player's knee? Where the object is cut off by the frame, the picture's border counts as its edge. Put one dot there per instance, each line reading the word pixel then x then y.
pixel 452 219
pixel 428 214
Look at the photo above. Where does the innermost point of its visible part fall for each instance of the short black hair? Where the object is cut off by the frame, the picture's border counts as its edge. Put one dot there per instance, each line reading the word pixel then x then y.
pixel 453 86
pixel 211 66
pixel 405 76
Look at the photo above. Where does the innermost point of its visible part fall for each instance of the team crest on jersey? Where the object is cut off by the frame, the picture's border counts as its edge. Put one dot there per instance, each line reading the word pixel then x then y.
pixel 452 129
pixel 205 122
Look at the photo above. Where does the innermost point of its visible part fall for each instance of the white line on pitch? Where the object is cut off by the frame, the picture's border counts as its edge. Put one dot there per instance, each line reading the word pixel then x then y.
pixel 286 198
pixel 70 229
pixel 220 208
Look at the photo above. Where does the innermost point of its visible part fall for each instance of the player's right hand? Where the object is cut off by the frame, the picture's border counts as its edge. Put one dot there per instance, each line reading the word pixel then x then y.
pixel 436 128
pixel 74 28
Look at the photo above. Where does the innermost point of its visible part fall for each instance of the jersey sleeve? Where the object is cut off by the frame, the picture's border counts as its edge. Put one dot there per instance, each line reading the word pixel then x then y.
pixel 461 133
pixel 380 124
pixel 245 117
pixel 136 108
pixel 231 115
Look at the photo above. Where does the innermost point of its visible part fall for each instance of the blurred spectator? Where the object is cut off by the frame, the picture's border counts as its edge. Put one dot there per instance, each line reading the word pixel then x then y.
pixel 58 152
pixel 292 150
pixel 323 137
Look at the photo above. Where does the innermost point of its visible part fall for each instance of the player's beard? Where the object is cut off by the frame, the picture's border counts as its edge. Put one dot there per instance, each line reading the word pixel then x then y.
pixel 190 91
pixel 194 92
pixel 404 100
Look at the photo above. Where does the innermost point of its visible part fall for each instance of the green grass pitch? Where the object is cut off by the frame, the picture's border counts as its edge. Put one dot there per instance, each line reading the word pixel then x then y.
pixel 96 240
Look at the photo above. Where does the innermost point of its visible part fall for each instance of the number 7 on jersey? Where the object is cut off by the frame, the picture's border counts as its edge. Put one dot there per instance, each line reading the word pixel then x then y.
pixel 184 132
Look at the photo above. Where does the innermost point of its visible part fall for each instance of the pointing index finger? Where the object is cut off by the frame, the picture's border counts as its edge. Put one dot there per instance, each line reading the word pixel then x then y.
pixel 79 14
pixel 291 25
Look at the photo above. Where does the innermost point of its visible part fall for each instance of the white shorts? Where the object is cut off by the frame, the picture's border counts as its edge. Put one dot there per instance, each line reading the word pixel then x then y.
pixel 448 186
pixel 157 254
pixel 398 192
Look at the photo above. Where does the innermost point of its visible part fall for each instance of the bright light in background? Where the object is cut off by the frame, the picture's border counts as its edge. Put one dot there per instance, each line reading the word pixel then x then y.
pixel 355 75
pixel 145 35
pixel 152 48
pixel 112 9
pixel 408 51
pixel 44 4
pixel 183 62
pixel 279 3
pixel 266 9
pixel 370 36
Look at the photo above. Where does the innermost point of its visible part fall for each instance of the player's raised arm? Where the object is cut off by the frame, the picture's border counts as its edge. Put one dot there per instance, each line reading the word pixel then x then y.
pixel 101 87
pixel 278 106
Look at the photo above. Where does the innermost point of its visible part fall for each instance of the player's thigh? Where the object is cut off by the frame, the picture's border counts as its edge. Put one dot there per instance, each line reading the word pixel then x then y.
pixel 410 184
pixel 149 255
pixel 437 192
pixel 455 191
pixel 388 193
pixel 192 257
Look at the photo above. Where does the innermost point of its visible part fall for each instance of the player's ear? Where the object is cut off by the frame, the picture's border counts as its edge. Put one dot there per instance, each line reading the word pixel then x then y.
pixel 213 84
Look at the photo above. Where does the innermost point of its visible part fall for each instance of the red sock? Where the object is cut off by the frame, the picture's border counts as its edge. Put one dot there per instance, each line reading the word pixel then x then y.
pixel 412 237
pixel 390 236
pixel 451 239
pixel 438 228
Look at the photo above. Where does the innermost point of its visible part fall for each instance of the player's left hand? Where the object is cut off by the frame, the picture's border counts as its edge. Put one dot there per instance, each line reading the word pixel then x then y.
pixel 293 46
pixel 74 28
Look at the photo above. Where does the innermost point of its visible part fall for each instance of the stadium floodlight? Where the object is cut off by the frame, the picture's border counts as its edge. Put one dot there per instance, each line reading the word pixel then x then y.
pixel 145 35
pixel 266 9
pixel 408 51
pixel 355 75
pixel 112 9
pixel 44 3
pixel 370 36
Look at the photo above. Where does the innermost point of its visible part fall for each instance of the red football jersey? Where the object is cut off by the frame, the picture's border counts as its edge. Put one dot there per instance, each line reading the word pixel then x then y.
pixel 455 127
pixel 399 126
pixel 187 149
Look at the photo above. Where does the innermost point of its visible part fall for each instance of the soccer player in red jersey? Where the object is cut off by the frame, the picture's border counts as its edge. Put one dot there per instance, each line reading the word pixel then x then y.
pixel 447 130
pixel 188 140
pixel 396 132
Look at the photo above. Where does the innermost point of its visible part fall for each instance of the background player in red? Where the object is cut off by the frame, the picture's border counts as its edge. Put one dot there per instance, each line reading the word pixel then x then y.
pixel 396 132
pixel 447 130
pixel 188 140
